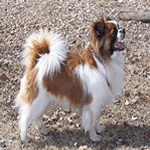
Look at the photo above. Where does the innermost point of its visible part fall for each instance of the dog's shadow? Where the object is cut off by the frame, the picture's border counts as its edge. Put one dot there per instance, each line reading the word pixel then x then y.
pixel 113 137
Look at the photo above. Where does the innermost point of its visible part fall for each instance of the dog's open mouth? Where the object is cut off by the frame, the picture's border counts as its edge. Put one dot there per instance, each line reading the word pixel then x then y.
pixel 119 46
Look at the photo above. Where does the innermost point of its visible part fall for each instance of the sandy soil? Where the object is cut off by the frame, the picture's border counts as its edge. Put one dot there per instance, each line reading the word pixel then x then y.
pixel 127 121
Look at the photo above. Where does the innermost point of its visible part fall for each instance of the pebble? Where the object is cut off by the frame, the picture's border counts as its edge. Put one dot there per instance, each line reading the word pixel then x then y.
pixel 70 121
pixel 1 40
pixel 2 141
pixel 37 138
pixel 3 76
pixel 134 118
pixel 77 125
pixel 120 140
pixel 133 101
pixel 10 141
pixel 120 1
pixel 127 103
pixel 75 144
pixel 83 147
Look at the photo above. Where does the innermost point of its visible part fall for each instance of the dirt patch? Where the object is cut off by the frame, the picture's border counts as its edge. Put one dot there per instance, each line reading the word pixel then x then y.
pixel 127 121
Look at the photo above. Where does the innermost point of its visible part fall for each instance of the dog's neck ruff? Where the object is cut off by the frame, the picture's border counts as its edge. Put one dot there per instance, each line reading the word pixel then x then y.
pixel 98 57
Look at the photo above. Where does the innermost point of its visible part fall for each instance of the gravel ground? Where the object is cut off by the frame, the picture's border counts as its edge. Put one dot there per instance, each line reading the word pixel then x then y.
pixel 127 121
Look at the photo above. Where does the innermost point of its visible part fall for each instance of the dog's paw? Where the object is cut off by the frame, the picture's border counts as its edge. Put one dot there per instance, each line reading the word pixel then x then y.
pixel 44 130
pixel 100 128
pixel 95 138
pixel 26 140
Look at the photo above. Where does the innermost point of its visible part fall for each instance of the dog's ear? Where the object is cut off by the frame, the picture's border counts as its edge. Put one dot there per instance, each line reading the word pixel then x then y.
pixel 107 18
pixel 99 28
pixel 102 19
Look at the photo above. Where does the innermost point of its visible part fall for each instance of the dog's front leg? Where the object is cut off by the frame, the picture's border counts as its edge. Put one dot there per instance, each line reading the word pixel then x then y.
pixel 95 128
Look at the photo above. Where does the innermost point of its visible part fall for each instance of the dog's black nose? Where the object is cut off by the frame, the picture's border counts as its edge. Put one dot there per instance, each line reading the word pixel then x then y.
pixel 122 30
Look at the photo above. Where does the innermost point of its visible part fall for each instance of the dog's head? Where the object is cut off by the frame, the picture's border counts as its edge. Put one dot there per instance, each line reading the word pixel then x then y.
pixel 107 37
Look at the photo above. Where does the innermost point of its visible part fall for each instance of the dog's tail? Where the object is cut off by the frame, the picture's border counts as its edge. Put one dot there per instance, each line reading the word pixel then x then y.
pixel 44 52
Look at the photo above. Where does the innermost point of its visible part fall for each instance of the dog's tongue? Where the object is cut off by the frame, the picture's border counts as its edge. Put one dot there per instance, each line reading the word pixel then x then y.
pixel 119 46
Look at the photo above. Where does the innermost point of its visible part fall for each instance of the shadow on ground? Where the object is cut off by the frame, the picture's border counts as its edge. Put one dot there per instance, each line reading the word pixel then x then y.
pixel 113 137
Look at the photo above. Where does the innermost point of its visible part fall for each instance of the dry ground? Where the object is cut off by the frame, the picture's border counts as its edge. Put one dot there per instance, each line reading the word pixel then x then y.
pixel 127 121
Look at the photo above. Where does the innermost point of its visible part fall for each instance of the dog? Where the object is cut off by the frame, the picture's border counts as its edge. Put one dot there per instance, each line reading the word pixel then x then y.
pixel 89 81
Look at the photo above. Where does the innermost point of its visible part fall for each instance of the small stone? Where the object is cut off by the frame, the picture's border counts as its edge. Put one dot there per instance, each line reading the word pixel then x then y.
pixel 58 124
pixel 2 141
pixel 83 147
pixel 62 113
pixel 125 123
pixel 10 114
pixel 54 118
pixel 120 140
pixel 37 138
pixel 75 144
pixel 133 101
pixel 3 76
pixel 2 31
pixel 61 118
pixel 73 116
pixel 10 141
pixel 1 40
pixel 127 103
pixel 127 93
pixel 134 118
pixel 67 110
pixel 77 125
pixel 70 121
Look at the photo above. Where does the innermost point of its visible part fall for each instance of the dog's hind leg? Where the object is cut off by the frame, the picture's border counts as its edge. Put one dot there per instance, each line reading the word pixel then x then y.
pixel 25 120
pixel 41 127
pixel 39 123
pixel 31 113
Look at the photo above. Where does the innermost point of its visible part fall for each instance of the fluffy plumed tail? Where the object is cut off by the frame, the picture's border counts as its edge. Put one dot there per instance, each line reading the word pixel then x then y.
pixel 44 52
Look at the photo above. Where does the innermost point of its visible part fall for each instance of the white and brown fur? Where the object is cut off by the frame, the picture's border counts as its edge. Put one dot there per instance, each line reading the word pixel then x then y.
pixel 54 74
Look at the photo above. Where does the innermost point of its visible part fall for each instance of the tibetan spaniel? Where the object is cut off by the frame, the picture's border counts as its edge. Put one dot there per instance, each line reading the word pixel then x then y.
pixel 53 74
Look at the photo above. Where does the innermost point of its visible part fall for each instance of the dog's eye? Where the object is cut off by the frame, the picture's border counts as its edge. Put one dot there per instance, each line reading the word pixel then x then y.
pixel 115 31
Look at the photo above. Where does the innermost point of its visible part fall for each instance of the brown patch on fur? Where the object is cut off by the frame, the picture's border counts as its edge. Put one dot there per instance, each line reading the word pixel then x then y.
pixel 67 85
pixel 94 45
pixel 95 41
pixel 106 53
pixel 103 42
pixel 73 60
pixel 109 28
pixel 87 57
pixel 31 90
pixel 39 46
